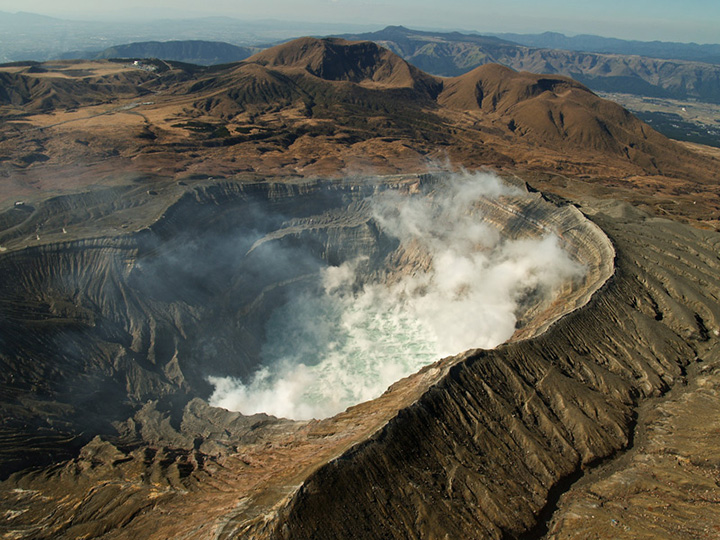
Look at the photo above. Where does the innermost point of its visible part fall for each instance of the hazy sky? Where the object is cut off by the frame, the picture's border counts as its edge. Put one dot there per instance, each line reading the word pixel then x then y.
pixel 666 20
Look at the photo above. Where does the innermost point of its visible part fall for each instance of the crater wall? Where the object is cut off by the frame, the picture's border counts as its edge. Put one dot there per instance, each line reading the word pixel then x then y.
pixel 138 343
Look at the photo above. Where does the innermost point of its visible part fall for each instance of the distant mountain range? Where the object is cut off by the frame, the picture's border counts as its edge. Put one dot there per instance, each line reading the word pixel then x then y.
pixel 204 53
pixel 709 53
pixel 666 70
pixel 306 95
pixel 452 54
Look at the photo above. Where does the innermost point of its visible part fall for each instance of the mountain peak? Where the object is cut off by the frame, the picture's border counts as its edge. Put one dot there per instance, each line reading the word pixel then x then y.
pixel 396 28
pixel 336 59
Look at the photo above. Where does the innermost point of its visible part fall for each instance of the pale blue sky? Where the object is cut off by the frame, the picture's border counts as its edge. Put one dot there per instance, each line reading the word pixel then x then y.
pixel 666 20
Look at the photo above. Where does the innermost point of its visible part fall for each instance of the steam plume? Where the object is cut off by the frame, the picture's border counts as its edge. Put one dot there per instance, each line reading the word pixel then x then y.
pixel 346 345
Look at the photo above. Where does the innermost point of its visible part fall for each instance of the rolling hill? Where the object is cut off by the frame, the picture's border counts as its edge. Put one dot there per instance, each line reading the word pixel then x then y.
pixel 559 113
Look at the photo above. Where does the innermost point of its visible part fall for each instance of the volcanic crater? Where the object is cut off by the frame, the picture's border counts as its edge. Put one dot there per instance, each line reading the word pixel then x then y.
pixel 125 329
pixel 125 291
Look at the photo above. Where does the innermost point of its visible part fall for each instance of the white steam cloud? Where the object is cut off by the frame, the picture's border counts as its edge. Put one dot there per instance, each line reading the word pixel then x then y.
pixel 347 345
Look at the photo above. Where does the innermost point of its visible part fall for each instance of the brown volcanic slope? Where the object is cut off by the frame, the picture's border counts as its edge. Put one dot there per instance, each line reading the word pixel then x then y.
pixel 327 107
pixel 476 446
pixel 561 114
pixel 28 89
